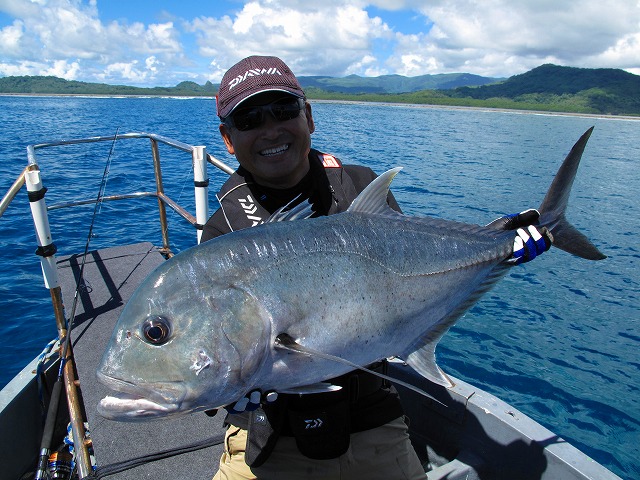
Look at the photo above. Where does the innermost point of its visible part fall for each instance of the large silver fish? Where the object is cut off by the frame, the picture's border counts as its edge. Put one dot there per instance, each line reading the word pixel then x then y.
pixel 200 332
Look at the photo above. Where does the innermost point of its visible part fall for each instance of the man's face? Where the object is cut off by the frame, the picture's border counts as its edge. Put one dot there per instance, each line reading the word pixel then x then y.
pixel 275 152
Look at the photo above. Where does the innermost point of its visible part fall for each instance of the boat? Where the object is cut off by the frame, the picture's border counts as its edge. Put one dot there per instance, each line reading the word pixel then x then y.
pixel 460 432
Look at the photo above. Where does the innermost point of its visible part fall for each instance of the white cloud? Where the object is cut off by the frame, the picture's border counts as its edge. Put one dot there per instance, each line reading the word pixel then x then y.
pixel 11 39
pixel 625 50
pixel 332 37
pixel 63 69
pixel 57 68
pixel 71 31
pixel 128 71
pixel 135 72
pixel 326 39
pixel 504 37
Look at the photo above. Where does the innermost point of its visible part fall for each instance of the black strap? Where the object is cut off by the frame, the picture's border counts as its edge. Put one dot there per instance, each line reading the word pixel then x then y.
pixel 47 250
pixel 37 194
pixel 113 468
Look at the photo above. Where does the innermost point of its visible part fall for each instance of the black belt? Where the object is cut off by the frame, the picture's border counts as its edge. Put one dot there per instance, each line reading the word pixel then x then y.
pixel 359 384
pixel 355 385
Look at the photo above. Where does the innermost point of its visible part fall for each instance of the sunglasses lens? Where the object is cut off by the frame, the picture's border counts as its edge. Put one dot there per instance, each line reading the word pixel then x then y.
pixel 247 118
pixel 286 109
pixel 252 117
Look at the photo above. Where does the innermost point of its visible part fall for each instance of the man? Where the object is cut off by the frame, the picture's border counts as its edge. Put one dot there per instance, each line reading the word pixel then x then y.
pixel 267 123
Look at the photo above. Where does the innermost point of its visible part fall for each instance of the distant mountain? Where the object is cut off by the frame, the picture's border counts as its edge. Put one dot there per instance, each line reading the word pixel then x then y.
pixel 548 87
pixel 607 90
pixel 59 86
pixel 354 84
pixel 559 80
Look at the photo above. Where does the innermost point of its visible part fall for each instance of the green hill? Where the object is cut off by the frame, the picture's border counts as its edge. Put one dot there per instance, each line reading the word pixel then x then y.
pixel 59 86
pixel 547 88
pixel 350 84
pixel 605 90
pixel 355 84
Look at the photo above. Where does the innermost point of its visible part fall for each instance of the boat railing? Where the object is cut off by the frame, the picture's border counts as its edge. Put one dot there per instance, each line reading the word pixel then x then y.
pixel 46 250
pixel 199 156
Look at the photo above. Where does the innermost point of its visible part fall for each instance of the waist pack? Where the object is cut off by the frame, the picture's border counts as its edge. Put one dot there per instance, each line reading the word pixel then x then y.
pixel 322 433
pixel 320 423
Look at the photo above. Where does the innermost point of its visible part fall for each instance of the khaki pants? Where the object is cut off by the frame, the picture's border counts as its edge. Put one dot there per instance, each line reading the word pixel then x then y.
pixel 383 453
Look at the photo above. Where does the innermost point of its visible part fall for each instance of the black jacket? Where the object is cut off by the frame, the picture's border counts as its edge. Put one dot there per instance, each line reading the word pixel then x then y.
pixel 329 185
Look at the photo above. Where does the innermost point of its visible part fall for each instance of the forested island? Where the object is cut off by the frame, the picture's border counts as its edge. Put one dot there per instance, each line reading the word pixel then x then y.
pixel 551 88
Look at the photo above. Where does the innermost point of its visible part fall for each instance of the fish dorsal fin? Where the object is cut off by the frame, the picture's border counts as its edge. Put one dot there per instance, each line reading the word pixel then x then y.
pixel 288 213
pixel 373 199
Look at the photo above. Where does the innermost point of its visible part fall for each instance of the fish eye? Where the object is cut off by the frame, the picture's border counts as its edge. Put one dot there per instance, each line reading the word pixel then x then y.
pixel 156 330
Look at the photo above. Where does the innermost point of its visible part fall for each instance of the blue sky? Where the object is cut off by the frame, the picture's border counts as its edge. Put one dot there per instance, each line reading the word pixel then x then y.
pixel 162 42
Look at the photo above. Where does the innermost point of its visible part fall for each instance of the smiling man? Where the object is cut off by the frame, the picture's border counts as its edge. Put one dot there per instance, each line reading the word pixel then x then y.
pixel 359 430
pixel 267 123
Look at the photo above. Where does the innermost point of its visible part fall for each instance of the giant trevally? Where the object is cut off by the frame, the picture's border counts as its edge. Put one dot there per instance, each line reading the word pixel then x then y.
pixel 201 331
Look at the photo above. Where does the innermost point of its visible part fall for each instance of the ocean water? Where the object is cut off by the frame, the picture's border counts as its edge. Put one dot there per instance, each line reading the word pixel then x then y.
pixel 557 338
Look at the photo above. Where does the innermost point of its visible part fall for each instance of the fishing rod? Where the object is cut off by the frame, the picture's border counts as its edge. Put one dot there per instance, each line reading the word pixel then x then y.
pixel 65 337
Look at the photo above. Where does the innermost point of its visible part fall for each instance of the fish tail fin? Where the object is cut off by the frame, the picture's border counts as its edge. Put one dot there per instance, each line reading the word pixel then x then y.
pixel 552 210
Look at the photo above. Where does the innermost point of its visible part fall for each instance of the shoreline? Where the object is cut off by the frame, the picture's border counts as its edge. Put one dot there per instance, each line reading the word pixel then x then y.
pixel 347 102
pixel 484 109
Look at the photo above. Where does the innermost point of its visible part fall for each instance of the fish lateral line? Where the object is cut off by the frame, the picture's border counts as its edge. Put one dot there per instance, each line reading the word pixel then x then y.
pixel 286 342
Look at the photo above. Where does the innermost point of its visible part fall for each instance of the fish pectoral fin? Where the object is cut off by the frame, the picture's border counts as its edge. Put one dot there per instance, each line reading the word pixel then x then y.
pixel 321 387
pixel 285 342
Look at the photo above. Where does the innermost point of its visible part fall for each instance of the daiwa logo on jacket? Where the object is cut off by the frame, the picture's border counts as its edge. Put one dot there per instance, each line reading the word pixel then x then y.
pixel 255 72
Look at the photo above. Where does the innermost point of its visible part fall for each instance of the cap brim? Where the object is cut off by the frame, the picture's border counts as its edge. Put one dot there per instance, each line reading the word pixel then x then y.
pixel 289 92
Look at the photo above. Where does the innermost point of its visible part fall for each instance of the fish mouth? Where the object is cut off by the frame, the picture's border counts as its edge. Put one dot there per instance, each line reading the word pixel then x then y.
pixel 130 408
pixel 135 403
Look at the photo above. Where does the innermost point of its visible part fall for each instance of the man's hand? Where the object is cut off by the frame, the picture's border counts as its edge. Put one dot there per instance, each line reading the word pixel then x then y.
pixel 251 401
pixel 530 241
pixel 516 220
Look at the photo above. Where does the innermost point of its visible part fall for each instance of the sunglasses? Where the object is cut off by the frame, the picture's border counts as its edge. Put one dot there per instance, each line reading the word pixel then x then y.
pixel 249 118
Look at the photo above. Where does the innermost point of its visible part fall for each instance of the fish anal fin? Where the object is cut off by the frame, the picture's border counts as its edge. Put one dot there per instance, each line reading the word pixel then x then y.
pixel 423 361
pixel 421 354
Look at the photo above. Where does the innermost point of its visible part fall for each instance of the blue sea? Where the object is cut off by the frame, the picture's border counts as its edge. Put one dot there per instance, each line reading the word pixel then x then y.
pixel 558 338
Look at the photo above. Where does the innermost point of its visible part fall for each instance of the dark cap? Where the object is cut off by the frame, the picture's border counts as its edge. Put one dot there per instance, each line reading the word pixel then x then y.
pixel 251 76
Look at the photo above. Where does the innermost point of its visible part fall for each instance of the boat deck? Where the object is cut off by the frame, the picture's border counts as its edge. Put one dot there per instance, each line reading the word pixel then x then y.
pixel 469 437
pixel 110 277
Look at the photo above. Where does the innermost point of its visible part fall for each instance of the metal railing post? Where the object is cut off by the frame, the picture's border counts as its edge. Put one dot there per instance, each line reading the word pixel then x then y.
pixel 201 182
pixel 47 250
pixel 12 192
pixel 166 249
